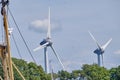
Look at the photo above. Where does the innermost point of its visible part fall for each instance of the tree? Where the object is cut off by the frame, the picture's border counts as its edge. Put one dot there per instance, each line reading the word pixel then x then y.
pixel 30 71
pixel 33 71
pixel 63 75
pixel 115 73
pixel 75 74
pixel 95 72
pixel 37 73
pixel 23 68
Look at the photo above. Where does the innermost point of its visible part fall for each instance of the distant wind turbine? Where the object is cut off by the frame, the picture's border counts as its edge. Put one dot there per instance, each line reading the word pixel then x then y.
pixel 101 49
pixel 51 68
pixel 48 43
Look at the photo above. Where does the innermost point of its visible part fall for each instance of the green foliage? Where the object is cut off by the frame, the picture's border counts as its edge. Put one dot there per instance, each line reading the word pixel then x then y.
pixel 88 72
pixel 115 73
pixel 75 74
pixel 63 75
pixel 55 75
pixel 32 71
pixel 94 72
pixel 29 70
pixel 1 70
pixel 22 66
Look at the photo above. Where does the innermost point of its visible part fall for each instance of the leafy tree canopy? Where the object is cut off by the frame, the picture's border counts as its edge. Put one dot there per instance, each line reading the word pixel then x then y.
pixel 32 71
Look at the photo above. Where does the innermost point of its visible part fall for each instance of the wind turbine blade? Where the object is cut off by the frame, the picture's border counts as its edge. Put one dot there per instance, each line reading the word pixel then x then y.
pixel 40 47
pixel 49 27
pixel 102 60
pixel 108 42
pixel 57 57
pixel 46 60
pixel 95 40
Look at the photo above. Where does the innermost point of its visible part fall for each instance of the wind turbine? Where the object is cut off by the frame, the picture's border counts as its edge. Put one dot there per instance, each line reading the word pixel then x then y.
pixel 47 42
pixel 51 67
pixel 101 49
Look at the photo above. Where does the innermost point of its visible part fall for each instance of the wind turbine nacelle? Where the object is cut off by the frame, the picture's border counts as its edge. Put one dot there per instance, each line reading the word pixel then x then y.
pixel 99 51
pixel 43 42
pixel 46 41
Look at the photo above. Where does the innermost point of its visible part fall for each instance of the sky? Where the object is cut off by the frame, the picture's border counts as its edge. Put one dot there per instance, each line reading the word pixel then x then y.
pixel 70 22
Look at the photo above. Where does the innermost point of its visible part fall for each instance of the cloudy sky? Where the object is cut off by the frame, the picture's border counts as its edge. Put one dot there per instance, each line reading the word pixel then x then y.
pixel 70 22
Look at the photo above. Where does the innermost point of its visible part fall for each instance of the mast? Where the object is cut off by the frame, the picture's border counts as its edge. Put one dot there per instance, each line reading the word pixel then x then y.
pixel 4 61
pixel 7 54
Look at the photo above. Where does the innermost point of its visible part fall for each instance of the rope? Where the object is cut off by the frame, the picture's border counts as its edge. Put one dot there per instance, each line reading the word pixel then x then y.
pixel 14 37
pixel 22 36
pixel 1 78
pixel 16 46
pixel 18 71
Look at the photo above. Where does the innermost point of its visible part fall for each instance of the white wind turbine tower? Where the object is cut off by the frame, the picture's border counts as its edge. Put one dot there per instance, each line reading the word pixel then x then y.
pixel 101 49
pixel 48 43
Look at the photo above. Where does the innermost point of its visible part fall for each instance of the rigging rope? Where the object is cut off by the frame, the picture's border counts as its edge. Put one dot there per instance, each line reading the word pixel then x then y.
pixel 18 71
pixel 22 36
pixel 7 61
pixel 14 38
pixel 16 46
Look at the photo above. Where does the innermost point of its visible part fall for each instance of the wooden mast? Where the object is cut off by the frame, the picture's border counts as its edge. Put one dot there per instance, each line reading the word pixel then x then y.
pixel 7 56
pixel 4 61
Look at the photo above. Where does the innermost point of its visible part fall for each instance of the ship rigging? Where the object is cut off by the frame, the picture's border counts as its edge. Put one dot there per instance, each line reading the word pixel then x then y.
pixel 5 52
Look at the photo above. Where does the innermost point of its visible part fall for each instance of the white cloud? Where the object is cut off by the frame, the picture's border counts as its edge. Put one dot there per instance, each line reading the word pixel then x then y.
pixel 117 52
pixel 42 25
